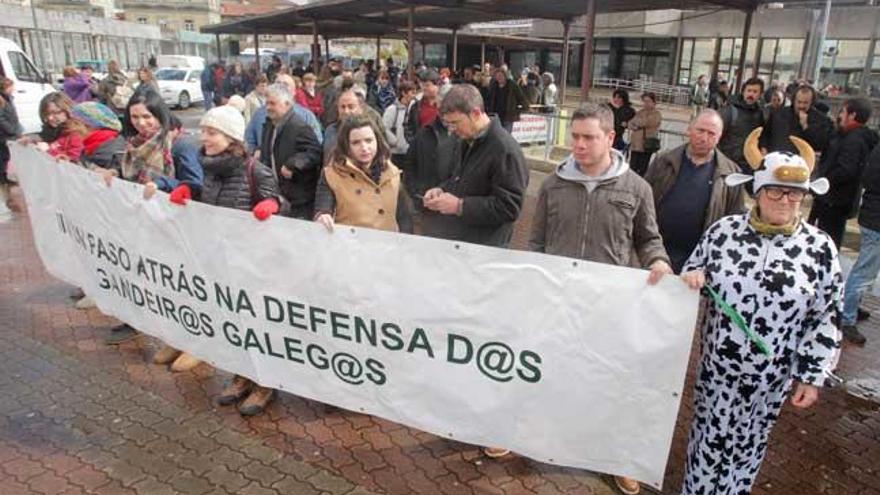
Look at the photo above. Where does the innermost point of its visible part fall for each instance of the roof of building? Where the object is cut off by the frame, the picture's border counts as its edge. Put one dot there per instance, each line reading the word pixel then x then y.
pixel 247 8
pixel 339 18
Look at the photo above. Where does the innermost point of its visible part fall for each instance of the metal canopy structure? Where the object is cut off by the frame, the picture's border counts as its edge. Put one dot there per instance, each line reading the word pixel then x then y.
pixel 399 19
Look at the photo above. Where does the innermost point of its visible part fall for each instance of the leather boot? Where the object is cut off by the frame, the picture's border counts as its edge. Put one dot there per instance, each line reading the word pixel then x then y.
pixel 165 355
pixel 237 388
pixel 256 402
pixel 84 302
pixel 627 486
pixel 185 362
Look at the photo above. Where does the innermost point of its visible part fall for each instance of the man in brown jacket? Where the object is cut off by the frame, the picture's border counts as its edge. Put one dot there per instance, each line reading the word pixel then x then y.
pixel 689 190
pixel 595 208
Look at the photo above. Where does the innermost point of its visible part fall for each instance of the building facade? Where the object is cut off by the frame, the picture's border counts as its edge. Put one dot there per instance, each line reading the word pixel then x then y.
pixel 62 38
pixel 677 46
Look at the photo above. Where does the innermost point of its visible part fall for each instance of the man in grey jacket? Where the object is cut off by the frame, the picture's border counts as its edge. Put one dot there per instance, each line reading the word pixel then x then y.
pixel 602 210
pixel 596 209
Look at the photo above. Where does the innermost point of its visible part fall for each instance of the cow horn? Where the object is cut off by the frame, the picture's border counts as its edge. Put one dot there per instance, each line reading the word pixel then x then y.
pixel 751 151
pixel 805 150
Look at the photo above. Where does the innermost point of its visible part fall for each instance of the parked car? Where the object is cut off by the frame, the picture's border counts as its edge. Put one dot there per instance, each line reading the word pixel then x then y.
pixel 31 84
pixel 180 86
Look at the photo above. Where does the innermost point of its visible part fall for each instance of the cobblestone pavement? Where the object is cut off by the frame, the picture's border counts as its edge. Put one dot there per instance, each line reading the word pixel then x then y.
pixel 80 417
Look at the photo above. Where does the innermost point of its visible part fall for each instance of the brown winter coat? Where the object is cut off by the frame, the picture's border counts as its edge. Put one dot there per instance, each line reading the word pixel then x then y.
pixel 663 172
pixel 611 224
pixel 354 199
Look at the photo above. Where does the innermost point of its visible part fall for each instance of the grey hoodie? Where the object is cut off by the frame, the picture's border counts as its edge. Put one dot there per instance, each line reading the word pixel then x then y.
pixel 570 170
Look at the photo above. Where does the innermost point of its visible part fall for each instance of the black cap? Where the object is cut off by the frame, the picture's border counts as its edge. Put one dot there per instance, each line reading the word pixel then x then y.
pixel 429 75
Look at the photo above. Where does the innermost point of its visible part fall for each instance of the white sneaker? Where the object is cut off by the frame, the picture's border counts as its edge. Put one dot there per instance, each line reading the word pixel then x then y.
pixel 85 303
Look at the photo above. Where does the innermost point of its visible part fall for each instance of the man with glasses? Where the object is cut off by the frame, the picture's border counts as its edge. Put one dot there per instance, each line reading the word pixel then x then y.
pixel 689 190
pixel 484 196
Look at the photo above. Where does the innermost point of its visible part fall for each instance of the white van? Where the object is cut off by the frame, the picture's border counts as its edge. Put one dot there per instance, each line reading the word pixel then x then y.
pixel 31 84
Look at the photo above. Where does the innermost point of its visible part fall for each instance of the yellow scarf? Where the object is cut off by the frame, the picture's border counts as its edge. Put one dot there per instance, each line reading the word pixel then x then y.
pixel 765 228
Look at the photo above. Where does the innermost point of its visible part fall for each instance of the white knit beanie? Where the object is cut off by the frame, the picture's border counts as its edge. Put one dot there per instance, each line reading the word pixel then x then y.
pixel 237 102
pixel 225 119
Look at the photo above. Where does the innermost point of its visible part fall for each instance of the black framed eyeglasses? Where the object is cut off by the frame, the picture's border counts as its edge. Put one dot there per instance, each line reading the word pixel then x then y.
pixel 777 193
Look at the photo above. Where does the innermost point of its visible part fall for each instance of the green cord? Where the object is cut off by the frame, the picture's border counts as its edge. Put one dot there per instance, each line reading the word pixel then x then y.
pixel 740 322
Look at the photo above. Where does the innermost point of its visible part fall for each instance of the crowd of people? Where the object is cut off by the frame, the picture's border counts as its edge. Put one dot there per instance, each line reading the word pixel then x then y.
pixel 434 156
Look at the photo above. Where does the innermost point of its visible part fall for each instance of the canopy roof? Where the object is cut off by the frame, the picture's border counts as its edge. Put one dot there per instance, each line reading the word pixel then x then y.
pixel 368 18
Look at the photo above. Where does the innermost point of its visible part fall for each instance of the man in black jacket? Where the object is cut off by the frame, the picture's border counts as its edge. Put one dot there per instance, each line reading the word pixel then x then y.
pixel 867 266
pixel 842 164
pixel 484 196
pixel 741 116
pixel 431 159
pixel 291 149
pixel 801 119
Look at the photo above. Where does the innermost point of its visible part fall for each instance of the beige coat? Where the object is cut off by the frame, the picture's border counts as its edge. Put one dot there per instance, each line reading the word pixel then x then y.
pixel 645 124
pixel 360 202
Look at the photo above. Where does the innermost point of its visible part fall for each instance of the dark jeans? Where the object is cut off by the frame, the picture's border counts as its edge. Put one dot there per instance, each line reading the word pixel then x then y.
pixel 831 219
pixel 209 99
pixel 4 161
pixel 639 161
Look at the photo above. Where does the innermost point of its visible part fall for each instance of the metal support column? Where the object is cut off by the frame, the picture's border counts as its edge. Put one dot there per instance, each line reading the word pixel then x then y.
pixel 454 50
pixel 378 52
pixel 679 47
pixel 820 48
pixel 482 54
pixel 410 41
pixel 219 48
pixel 566 52
pixel 587 60
pixel 741 66
pixel 716 59
pixel 757 62
pixel 257 51
pixel 326 49
pixel 316 48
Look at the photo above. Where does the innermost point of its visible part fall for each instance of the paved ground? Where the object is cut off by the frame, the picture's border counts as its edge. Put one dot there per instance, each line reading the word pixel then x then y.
pixel 79 417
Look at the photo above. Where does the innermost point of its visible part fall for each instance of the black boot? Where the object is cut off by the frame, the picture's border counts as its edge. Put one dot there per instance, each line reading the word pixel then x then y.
pixel 121 334
pixel 852 335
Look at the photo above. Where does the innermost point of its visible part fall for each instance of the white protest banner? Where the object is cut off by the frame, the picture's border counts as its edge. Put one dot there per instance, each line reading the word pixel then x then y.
pixel 563 361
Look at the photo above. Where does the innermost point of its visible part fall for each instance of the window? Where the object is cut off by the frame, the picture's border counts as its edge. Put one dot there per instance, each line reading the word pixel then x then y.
pixel 189 25
pixel 23 68
pixel 194 76
pixel 142 20
pixel 170 75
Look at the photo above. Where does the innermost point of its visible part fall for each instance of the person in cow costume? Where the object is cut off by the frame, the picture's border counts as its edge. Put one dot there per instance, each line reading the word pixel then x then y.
pixel 774 283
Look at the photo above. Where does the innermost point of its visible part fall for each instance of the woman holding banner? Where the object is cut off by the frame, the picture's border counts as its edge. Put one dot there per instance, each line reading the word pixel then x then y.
pixel 62 134
pixel 776 285
pixel 361 163
pixel 231 180
pixel 147 158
